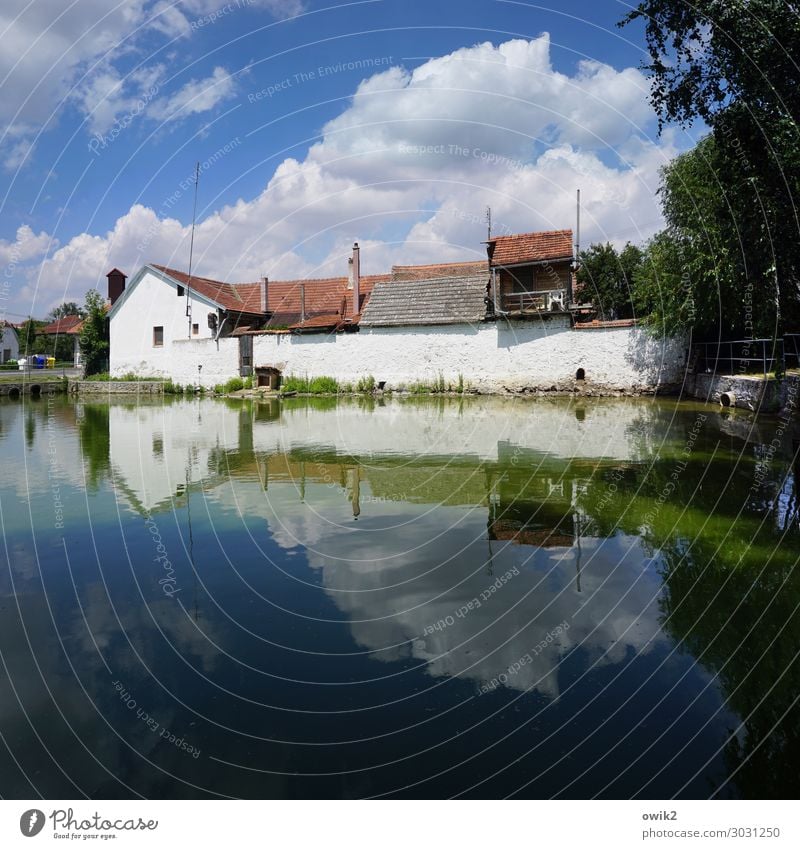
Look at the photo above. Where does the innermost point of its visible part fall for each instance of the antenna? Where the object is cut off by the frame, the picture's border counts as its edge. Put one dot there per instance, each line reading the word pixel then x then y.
pixel 488 223
pixel 191 249
pixel 578 229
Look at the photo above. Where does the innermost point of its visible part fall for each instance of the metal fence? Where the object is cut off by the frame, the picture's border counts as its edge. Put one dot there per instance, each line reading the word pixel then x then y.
pixel 743 356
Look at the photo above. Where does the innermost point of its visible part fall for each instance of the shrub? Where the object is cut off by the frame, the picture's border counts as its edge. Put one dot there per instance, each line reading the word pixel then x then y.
pixel 293 383
pixel 323 386
pixel 233 385
pixel 171 388
pixel 218 389
pixel 366 384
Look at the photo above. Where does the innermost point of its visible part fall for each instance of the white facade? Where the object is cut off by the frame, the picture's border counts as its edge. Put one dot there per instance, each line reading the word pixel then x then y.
pixel 9 344
pixel 151 301
pixel 493 357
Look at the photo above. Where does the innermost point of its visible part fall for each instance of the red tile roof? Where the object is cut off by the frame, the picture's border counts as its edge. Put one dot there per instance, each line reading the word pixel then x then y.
pixel 67 324
pixel 237 297
pixel 531 247
pixel 404 273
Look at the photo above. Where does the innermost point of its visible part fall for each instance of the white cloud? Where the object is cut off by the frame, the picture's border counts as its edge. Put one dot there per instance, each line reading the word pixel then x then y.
pixel 409 167
pixel 27 246
pixel 195 97
pixel 54 53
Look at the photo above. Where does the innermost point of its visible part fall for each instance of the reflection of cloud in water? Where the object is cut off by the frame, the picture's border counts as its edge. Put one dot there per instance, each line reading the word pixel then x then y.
pixel 395 600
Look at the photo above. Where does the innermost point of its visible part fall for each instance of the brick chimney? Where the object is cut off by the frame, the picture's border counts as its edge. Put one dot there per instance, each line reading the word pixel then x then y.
pixel 116 284
pixel 356 271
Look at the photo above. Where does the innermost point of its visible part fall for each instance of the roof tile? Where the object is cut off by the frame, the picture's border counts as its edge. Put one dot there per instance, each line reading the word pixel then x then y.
pixel 531 247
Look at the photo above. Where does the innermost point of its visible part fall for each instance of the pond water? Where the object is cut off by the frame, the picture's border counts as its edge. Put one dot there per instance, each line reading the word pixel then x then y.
pixel 411 597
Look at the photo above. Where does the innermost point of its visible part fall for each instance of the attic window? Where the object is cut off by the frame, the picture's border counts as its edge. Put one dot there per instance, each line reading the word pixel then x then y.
pixel 181 290
pixel 158 337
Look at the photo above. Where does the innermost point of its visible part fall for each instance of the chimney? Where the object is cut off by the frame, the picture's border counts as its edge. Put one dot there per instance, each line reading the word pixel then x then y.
pixel 264 294
pixel 356 265
pixel 116 284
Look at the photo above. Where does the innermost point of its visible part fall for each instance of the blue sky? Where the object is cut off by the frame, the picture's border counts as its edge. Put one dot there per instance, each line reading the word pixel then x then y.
pixel 394 123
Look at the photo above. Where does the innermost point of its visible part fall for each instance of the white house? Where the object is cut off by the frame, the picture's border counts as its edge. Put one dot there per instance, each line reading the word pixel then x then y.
pixel 503 325
pixel 9 344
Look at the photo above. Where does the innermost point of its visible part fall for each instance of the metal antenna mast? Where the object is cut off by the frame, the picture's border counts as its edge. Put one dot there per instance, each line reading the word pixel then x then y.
pixel 191 249
pixel 488 223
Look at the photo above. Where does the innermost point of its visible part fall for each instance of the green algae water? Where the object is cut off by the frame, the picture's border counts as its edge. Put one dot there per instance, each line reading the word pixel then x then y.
pixel 406 597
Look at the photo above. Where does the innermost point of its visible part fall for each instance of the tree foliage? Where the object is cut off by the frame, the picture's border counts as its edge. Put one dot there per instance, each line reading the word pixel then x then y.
pixel 94 334
pixel 606 277
pixel 733 65
pixel 65 309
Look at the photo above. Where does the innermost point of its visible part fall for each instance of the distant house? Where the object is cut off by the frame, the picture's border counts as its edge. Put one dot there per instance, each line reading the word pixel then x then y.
pixel 9 344
pixel 531 272
pixel 69 325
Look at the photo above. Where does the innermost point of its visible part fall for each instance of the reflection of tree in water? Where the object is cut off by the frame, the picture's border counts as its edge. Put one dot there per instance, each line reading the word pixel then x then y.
pixel 742 622
pixel 30 427
pixel 728 558
pixel 95 441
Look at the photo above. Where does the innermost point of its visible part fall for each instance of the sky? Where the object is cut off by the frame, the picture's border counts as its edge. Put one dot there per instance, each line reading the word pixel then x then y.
pixel 394 123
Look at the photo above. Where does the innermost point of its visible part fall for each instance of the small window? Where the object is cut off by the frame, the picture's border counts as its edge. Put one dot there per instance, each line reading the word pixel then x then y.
pixel 195 330
pixel 180 291
pixel 580 374
pixel 158 337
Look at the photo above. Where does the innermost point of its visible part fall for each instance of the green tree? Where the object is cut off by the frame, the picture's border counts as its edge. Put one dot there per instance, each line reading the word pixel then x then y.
pixel 733 64
pixel 710 270
pixel 30 340
pixel 94 334
pixel 607 278
pixel 65 309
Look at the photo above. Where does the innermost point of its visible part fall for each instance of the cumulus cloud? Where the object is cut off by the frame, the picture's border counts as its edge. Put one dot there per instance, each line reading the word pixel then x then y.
pixel 409 167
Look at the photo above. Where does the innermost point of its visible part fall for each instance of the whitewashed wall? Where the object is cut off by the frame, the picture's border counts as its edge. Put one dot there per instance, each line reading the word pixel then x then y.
pixel 8 342
pixel 502 356
pixel 154 302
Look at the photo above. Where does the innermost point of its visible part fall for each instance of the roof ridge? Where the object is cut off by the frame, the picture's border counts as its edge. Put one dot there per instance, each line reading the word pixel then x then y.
pixel 532 233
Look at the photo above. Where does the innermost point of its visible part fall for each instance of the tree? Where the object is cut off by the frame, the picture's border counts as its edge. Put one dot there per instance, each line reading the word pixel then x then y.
pixel 607 277
pixel 711 269
pixel 67 308
pixel 94 334
pixel 732 64
pixel 29 339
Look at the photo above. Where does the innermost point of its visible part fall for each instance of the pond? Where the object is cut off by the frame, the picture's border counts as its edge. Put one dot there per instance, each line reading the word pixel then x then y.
pixel 411 597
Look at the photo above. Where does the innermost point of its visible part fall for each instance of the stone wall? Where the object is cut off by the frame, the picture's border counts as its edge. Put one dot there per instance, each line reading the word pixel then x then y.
pixel 116 387
pixel 493 357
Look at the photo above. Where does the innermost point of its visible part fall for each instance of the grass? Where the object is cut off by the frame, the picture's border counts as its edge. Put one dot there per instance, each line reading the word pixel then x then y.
pixel 322 385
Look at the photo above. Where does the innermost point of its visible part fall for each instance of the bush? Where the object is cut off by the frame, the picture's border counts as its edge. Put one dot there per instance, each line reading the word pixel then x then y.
pixel 366 384
pixel 293 383
pixel 233 385
pixel 323 386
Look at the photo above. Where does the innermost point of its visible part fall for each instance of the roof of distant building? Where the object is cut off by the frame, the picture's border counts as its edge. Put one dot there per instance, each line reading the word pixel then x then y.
pixel 67 324
pixel 522 248
pixel 442 300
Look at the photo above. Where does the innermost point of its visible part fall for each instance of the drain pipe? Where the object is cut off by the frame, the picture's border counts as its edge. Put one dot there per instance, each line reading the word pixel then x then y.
pixel 219 330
